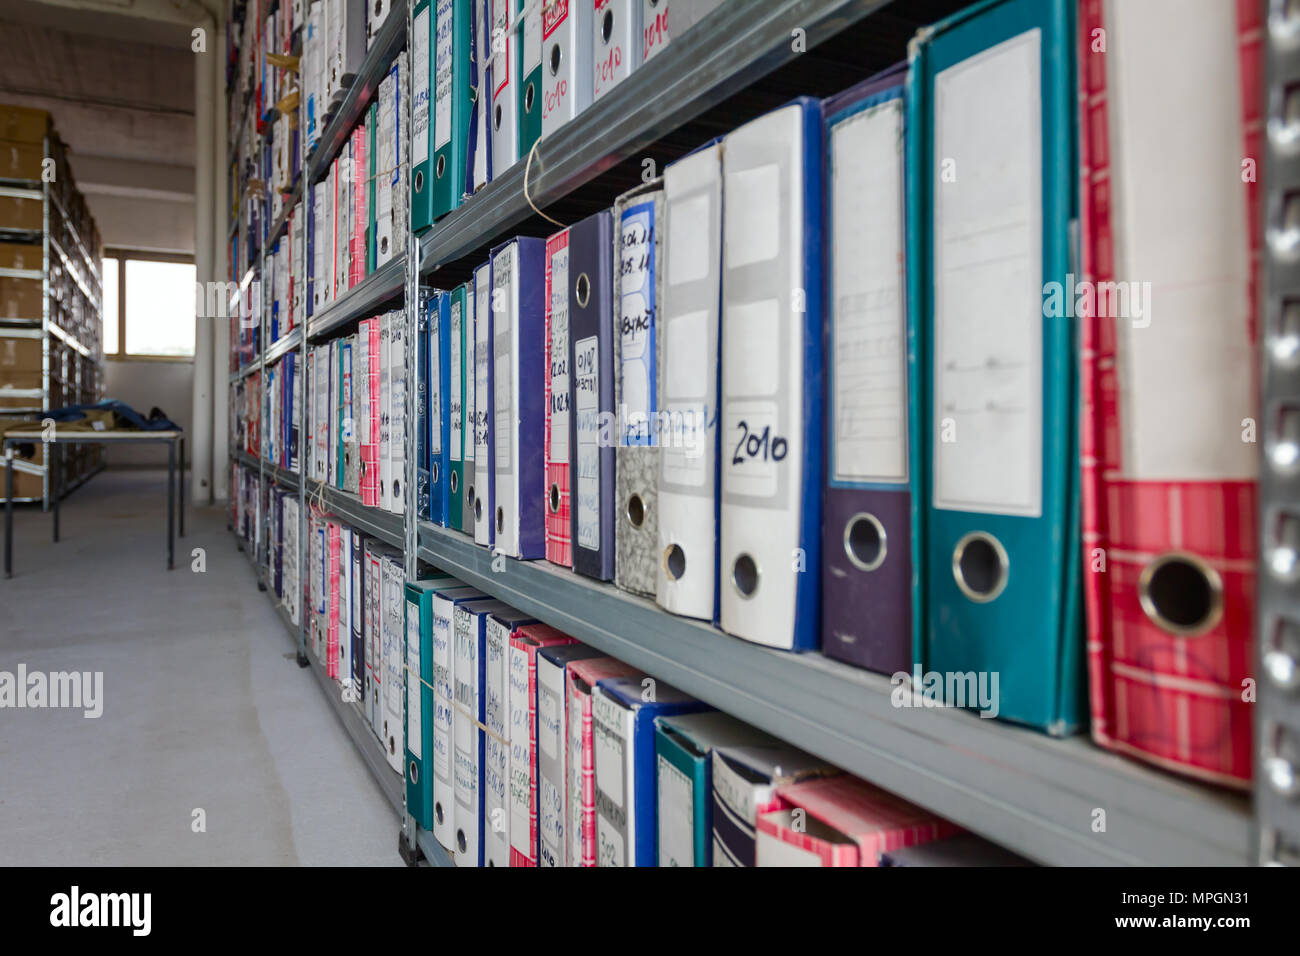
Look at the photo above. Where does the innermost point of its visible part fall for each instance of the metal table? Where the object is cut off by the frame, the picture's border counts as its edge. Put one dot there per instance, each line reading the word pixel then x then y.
pixel 175 440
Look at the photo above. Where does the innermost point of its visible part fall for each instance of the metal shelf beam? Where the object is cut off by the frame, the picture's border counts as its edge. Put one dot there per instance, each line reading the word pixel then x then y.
pixel 1029 792
pixel 732 47
pixel 385 283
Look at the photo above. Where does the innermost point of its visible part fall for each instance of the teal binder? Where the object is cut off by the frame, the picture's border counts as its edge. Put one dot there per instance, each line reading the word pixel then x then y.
pixel 992 201
pixel 419 696
pixel 528 85
pixel 452 100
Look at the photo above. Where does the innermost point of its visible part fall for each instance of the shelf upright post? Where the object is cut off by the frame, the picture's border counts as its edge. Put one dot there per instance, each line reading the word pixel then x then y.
pixel 300 375
pixel 45 320
pixel 1277 724
pixel 408 843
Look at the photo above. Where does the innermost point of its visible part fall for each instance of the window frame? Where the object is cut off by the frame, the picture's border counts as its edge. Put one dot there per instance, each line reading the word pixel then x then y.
pixel 122 254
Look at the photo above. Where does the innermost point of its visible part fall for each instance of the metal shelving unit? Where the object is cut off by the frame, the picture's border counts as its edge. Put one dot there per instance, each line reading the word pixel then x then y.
pixel 1277 725
pixel 384 284
pixel 1032 793
pixel 72 359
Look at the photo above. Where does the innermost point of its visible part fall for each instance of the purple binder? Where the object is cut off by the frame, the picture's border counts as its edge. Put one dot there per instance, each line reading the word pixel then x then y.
pixel 868 583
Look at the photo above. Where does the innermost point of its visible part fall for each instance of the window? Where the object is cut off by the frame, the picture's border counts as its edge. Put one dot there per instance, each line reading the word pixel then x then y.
pixel 148 306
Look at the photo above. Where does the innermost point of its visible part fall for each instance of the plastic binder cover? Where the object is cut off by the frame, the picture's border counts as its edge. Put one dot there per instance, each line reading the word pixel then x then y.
pixel 688 374
pixel 453 322
pixel 484 486
pixel 993 118
pixel 559 546
pixel 469 623
pixel 501 627
pixel 441 406
pixel 638 290
pixel 518 392
pixel 771 428
pixel 444 696
pixel 469 370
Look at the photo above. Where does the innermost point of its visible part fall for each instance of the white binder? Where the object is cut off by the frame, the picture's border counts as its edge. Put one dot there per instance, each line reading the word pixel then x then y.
pixel 617 43
pixel 480 172
pixel 397 410
pixel 392 599
pixel 482 405
pixel 320 242
pixel 385 418
pixel 768 556
pixel 468 623
pixel 468 364
pixel 496 739
pixel 504 118
pixel 688 384
pixel 566 63
pixel 444 746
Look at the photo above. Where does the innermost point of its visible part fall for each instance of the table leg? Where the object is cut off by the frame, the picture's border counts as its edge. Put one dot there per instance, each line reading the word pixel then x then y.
pixel 54 464
pixel 180 490
pixel 9 511
pixel 171 504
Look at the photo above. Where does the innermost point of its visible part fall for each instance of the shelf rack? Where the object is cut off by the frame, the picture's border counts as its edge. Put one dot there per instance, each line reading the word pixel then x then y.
pixel 1034 794
pixel 72 359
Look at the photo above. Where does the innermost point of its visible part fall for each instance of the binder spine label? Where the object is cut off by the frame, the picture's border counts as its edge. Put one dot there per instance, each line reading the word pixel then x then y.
pixel 443 82
pixel 457 402
pixel 559 547
pixel 586 390
pixel 420 86
pixel 414 713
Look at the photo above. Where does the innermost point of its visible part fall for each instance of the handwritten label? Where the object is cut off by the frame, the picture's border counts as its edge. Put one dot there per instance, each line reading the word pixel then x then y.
pixel 676 816
pixel 521 754
pixel 443 81
pixel 435 383
pixel 753 449
pixel 560 354
pixel 420 99
pixel 636 267
pixel 586 388
pixel 414 716
pixel 457 404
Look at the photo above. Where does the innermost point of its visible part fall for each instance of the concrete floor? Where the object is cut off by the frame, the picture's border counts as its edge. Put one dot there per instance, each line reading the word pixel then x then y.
pixel 204 706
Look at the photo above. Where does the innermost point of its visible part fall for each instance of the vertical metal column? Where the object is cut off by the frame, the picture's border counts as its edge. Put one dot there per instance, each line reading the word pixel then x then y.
pixel 411 304
pixel 1277 777
pixel 300 375
pixel 45 323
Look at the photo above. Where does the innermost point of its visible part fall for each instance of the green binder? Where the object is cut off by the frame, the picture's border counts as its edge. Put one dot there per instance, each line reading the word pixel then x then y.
pixel 528 81
pixel 451 104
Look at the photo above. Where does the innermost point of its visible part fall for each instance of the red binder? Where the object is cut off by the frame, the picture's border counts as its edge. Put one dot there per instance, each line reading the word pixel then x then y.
pixel 1169 474
pixel 559 543
pixel 370 419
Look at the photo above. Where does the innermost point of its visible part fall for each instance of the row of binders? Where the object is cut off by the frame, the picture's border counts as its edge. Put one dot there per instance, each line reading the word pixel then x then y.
pixel 839 380
pixel 493 77
pixel 356 391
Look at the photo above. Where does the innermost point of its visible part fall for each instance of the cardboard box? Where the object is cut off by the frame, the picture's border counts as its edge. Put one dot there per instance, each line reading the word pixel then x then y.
pixel 19 357
pixel 21 160
pixel 21 255
pixel 24 124
pixel 684 746
pixel 21 214
pixel 842 821
pixel 20 298
pixel 744 785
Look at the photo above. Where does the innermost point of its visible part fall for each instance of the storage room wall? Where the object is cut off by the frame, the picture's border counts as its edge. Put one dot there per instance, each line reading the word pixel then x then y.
pixel 131 142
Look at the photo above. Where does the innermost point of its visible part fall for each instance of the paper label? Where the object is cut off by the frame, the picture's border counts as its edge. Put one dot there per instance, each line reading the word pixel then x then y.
pixel 457 402
pixel 414 715
pixel 435 381
pixel 470 367
pixel 503 300
pixel 752 448
pixel 988 302
pixel 688 240
pixel 420 99
pixel 868 320
pixel 752 224
pixel 521 761
pixel 560 354
pixel 636 331
pixel 574 796
pixel 609 748
pixel 442 700
pixel 676 816
pixel 586 387
pixel 443 82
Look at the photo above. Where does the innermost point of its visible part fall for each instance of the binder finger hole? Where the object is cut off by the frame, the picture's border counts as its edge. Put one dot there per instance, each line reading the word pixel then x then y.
pixel 675 562
pixel 501 520
pixel 607 25
pixel 582 290
pixel 461 843
pixel 441 166
pixel 454 483
pixel 555 59
pixel 437 812
pixel 496 118
pixel 635 511
pixel 478 509
pixel 433 473
pixel 744 576
pixel 528 98
pixel 419 180
pixel 555 499
pixel 864 541
pixel 1181 594
pixel 415 773
pixel 980 566
pixel 469 495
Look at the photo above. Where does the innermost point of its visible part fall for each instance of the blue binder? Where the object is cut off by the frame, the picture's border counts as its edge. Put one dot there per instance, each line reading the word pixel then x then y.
pixel 436 371
pixel 993 198
pixel 423 396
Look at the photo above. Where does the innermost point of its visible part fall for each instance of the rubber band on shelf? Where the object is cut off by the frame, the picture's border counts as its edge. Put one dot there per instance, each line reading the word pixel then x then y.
pixel 528 167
